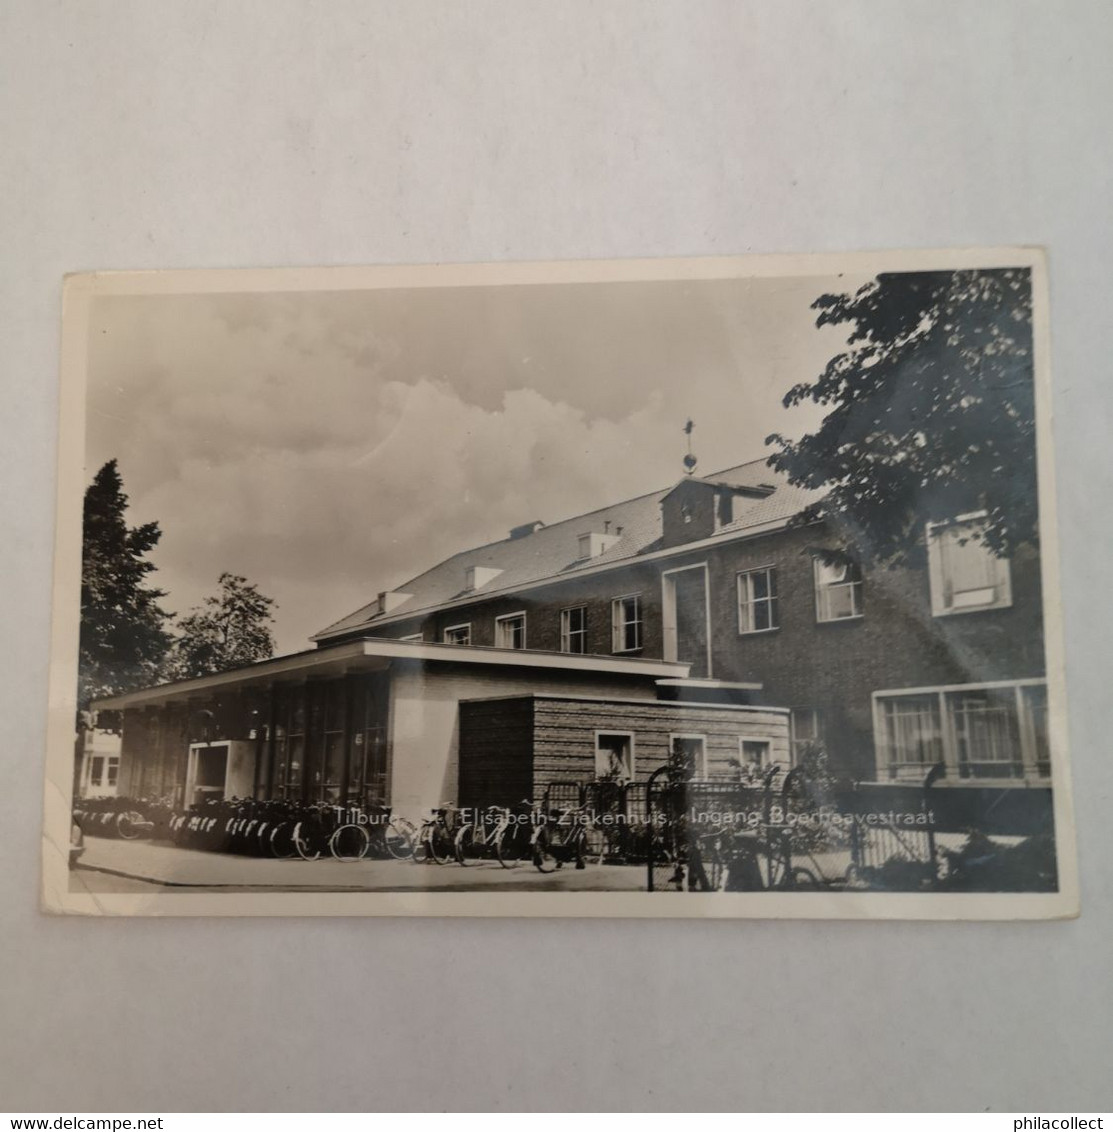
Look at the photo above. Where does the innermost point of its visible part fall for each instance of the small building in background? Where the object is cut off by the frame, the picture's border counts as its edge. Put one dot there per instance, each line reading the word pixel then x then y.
pixel 100 764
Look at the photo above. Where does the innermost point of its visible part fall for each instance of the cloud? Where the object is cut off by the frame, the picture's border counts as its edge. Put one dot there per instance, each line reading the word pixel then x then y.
pixel 355 518
pixel 328 446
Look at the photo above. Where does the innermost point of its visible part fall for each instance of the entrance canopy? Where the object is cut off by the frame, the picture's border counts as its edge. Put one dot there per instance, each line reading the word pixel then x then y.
pixel 377 654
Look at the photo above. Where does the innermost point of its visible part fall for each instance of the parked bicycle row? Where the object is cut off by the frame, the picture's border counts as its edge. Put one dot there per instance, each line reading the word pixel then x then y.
pixel 124 818
pixel 547 837
pixel 284 830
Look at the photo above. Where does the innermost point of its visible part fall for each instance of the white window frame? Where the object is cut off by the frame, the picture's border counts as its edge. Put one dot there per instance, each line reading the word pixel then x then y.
pixel 1027 740
pixel 701 771
pixel 669 629
pixel 1003 596
pixel 566 630
pixel 500 629
pixel 629 736
pixel 795 740
pixel 767 740
pixel 749 602
pixel 455 628
pixel 618 636
pixel 821 591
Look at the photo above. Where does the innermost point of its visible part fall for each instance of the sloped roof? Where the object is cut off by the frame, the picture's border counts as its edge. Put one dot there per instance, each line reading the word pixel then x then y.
pixel 551 553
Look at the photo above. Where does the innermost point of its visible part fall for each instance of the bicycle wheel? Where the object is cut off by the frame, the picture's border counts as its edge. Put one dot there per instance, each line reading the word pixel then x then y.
pixel 421 846
pixel 349 842
pixel 463 847
pixel 440 845
pixel 281 844
pixel 542 854
pixel 508 847
pixel 305 843
pixel 130 825
pixel 399 839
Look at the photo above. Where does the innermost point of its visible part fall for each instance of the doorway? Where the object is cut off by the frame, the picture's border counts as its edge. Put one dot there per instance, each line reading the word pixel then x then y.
pixel 208 773
pixel 687 631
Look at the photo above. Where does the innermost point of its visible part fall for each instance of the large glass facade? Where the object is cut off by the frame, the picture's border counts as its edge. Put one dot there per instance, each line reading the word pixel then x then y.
pixel 329 743
pixel 988 731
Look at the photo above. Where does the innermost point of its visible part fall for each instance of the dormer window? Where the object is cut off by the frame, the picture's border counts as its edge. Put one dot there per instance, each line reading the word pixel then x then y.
pixel 595 543
pixel 476 577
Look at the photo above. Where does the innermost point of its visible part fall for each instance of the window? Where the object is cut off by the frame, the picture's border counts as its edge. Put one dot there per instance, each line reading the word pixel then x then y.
pixel 965 574
pixel 757 600
pixel 1034 716
pixel 97 772
pixel 295 767
pixel 113 770
pixel 755 754
pixel 573 629
pixel 367 767
pixel 838 590
pixel 807 731
pixel 690 753
pixel 510 631
pixel 458 634
pixel 994 731
pixel 614 755
pixel 334 734
pixel 986 735
pixel 626 623
pixel 913 734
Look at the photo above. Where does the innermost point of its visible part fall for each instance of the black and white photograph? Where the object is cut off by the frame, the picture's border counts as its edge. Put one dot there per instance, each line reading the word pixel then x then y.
pixel 720 587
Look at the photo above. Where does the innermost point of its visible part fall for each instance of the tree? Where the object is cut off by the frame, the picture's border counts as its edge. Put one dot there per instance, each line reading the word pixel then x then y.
pixel 123 639
pixel 226 631
pixel 932 413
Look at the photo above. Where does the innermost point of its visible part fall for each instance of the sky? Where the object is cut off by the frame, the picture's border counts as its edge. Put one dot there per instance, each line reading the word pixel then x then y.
pixel 330 445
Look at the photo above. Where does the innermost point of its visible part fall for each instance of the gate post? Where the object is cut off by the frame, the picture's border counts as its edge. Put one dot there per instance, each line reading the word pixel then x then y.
pixel 649 823
pixel 930 779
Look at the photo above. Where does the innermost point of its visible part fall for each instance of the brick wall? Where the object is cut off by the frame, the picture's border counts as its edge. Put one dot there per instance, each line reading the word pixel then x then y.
pixel 833 667
pixel 513 748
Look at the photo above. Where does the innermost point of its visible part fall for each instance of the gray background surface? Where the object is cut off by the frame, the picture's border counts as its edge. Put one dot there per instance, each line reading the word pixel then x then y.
pixel 279 133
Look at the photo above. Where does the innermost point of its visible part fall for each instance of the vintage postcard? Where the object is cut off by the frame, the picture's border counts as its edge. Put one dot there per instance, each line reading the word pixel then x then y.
pixel 718 587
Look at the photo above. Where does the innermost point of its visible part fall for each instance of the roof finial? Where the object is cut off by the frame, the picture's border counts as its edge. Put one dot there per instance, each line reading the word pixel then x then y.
pixel 689 459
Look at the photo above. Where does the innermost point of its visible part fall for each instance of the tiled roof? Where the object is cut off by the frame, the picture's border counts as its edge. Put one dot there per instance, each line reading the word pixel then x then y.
pixel 552 552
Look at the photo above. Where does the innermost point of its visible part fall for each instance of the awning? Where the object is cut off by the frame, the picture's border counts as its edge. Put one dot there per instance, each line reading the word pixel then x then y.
pixel 376 654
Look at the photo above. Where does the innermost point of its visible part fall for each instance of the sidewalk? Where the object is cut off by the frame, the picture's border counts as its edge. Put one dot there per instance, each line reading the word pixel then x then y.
pixel 167 865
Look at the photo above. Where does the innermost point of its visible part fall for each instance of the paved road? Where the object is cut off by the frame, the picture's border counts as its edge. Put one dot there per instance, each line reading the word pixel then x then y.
pixel 155 866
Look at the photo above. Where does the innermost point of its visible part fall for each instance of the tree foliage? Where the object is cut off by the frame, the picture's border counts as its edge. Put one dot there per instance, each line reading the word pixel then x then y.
pixel 931 413
pixel 229 629
pixel 123 637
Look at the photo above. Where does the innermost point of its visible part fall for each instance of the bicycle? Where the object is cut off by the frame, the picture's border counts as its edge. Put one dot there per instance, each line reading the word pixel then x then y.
pixel 749 861
pixel 131 825
pixel 375 833
pixel 560 837
pixel 436 839
pixel 498 833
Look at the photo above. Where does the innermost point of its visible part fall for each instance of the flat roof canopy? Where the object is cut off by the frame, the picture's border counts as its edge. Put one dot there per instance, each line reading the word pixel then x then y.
pixel 376 654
